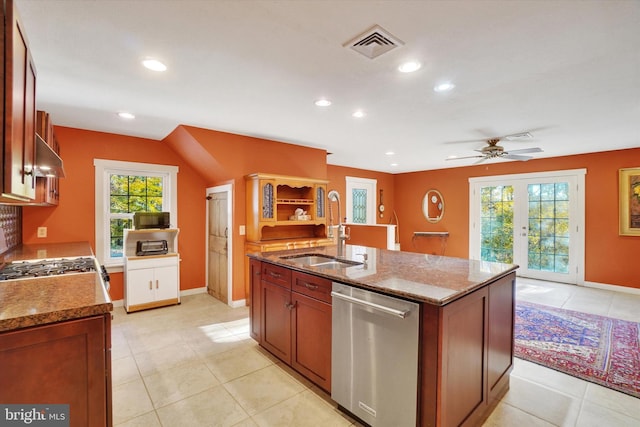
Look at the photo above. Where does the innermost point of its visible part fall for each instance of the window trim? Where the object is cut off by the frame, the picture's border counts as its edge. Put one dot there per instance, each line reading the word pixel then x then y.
pixel 103 168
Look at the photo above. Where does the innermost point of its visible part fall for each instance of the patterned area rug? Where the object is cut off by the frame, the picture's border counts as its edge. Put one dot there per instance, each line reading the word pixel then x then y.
pixel 594 348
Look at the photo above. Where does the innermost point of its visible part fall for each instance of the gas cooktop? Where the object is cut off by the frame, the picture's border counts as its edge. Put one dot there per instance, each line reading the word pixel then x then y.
pixel 47 267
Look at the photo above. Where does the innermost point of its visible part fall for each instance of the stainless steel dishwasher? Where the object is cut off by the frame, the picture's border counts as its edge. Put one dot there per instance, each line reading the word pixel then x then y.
pixel 374 359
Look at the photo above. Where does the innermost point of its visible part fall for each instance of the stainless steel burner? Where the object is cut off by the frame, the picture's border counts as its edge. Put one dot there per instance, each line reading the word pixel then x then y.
pixel 41 268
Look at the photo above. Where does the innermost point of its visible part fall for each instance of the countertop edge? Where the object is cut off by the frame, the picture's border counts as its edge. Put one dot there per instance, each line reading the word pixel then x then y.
pixel 44 319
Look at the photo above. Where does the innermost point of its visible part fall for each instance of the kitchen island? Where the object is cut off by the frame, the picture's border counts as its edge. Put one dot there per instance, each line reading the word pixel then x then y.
pixel 465 352
pixel 55 337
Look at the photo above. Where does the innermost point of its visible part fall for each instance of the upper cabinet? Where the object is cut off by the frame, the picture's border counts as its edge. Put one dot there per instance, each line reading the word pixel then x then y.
pixel 47 186
pixel 19 109
pixel 284 208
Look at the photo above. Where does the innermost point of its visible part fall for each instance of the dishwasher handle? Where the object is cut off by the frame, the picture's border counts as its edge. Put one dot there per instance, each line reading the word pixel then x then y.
pixel 392 311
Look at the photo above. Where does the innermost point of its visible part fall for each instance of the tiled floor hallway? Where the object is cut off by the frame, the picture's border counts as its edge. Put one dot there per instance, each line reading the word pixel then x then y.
pixel 195 365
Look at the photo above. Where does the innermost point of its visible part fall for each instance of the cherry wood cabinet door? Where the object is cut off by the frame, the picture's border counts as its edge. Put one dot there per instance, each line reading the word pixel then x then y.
pixel 311 342
pixel 254 299
pixel 276 320
pixel 63 363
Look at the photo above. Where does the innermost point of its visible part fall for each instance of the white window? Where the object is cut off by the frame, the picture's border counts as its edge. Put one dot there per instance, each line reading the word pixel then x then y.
pixel 123 188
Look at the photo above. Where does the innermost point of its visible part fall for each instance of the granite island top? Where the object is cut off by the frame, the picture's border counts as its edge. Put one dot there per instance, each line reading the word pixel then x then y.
pixel 50 299
pixel 426 278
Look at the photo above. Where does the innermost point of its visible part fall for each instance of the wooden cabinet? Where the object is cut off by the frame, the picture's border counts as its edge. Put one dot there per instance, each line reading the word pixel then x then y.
pixel 61 363
pixel 272 202
pixel 292 319
pixel 47 187
pixel 153 280
pixel 19 114
pixel 255 305
pixel 467 348
pixel 311 328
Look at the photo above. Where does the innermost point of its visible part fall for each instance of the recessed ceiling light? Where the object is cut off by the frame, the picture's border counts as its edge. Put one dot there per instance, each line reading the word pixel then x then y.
pixel 444 87
pixel 409 67
pixel 358 114
pixel 394 164
pixel 389 153
pixel 154 65
pixel 323 102
pixel 126 115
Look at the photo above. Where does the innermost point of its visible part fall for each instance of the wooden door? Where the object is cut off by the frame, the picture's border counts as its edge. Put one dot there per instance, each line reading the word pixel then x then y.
pixel 217 280
pixel 254 299
pixel 276 320
pixel 63 363
pixel 311 342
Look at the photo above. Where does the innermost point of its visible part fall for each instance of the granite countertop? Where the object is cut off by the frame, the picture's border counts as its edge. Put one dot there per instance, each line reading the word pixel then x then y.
pixel 431 279
pixel 43 300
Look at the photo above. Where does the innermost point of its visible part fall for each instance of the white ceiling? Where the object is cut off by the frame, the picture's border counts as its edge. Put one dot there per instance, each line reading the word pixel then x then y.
pixel 567 70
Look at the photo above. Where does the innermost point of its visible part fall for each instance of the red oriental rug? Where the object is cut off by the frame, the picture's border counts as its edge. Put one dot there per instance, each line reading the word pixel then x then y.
pixel 594 348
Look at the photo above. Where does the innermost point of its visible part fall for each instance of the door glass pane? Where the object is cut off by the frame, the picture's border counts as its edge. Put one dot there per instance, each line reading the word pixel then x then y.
pixel 548 237
pixel 359 203
pixel 496 223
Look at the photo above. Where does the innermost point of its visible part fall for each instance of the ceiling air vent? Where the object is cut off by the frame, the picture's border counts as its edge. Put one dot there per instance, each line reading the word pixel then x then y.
pixel 374 42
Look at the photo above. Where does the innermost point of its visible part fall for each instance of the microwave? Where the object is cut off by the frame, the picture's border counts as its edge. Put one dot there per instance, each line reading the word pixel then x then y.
pixel 144 220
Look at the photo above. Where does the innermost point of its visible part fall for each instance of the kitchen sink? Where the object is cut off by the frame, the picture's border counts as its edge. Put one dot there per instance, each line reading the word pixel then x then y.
pixel 321 261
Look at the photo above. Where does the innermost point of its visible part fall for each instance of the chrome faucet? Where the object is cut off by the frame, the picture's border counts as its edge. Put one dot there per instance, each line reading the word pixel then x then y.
pixel 343 236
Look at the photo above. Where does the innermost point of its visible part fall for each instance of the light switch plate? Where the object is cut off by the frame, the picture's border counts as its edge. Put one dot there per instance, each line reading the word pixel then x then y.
pixel 42 231
pixel 243 230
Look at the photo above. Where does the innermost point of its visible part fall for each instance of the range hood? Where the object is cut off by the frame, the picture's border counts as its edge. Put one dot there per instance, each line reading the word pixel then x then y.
pixel 48 163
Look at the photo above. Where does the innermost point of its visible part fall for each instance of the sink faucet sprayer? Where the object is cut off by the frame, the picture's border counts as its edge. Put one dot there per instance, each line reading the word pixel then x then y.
pixel 343 234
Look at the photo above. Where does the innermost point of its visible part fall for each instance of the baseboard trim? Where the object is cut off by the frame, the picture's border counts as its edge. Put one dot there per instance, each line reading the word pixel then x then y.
pixel 194 291
pixel 238 303
pixel 615 288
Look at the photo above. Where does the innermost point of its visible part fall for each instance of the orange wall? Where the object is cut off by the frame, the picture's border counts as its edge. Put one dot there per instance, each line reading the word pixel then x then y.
pixel 208 158
pixel 73 219
pixel 222 158
pixel 609 257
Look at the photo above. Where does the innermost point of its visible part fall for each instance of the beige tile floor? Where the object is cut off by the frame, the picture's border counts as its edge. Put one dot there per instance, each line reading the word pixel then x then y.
pixel 195 365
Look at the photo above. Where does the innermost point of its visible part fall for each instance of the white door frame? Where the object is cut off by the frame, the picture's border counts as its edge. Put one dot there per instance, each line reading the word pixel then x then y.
pixel 370 184
pixel 577 244
pixel 226 188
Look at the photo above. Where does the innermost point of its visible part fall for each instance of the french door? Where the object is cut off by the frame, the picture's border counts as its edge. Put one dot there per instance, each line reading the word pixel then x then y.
pixel 533 220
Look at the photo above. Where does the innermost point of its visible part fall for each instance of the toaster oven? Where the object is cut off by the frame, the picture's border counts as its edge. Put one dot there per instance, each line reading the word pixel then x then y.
pixel 151 247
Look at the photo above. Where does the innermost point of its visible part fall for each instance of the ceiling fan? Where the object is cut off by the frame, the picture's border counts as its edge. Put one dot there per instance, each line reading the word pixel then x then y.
pixel 494 151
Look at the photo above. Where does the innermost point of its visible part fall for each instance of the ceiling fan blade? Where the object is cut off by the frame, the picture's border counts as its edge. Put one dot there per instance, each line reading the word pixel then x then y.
pixel 525 150
pixel 484 158
pixel 465 157
pixel 516 157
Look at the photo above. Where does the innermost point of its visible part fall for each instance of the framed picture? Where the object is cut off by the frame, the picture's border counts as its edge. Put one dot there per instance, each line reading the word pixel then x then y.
pixel 629 185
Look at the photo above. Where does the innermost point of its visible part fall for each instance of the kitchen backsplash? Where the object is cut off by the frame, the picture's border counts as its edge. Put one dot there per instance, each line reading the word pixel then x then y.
pixel 11 224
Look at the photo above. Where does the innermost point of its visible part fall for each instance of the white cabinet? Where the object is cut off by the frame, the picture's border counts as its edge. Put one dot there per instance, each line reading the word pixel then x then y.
pixel 154 280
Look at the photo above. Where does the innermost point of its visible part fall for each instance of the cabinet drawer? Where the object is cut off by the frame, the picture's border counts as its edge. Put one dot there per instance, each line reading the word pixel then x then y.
pixel 151 261
pixel 313 286
pixel 277 275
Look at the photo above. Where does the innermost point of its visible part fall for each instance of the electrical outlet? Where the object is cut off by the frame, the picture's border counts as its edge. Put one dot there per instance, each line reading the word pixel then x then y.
pixel 42 231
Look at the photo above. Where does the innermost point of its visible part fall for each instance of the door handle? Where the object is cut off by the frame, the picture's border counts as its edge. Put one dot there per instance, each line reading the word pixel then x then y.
pixel 392 311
